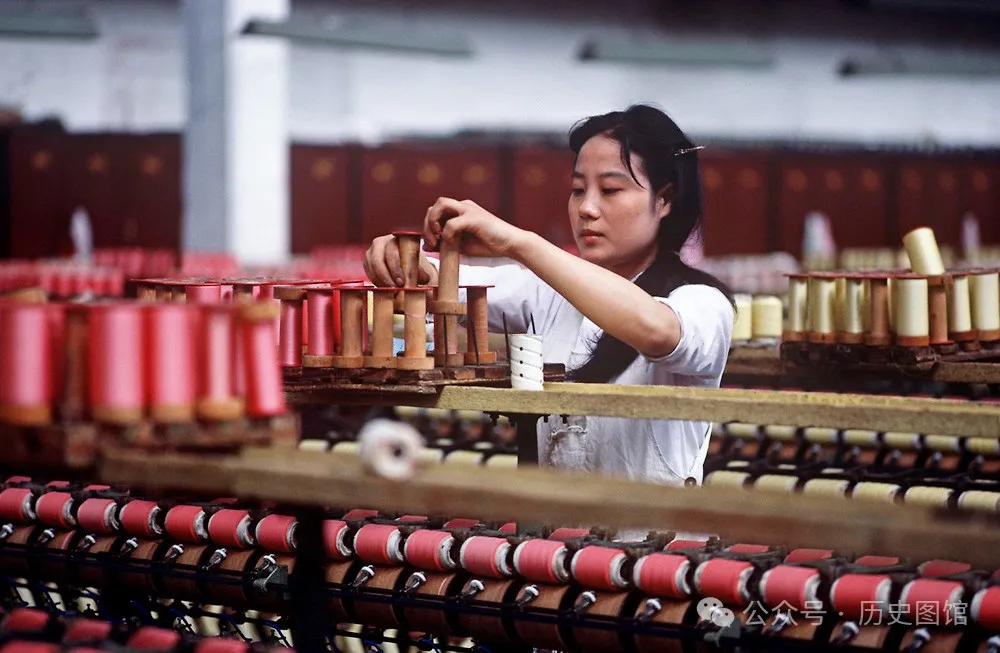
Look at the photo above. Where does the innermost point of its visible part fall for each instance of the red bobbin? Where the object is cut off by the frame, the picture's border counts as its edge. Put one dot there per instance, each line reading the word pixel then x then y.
pixel 98 516
pixel 186 524
pixel 725 580
pixel 410 519
pixel 748 549
pixel 276 533
pixel 805 555
pixel 360 513
pixel 204 293
pixel 482 555
pixel 509 527
pixel 681 545
pixel 379 543
pixel 933 568
pixel 80 631
pixel 430 549
pixel 141 518
pixel 265 395
pixel 230 528
pixel 542 560
pixel 861 596
pixel 568 533
pixel 460 522
pixel 985 607
pixel 320 325
pixel 796 586
pixel 26 363
pixel 150 638
pixel 17 505
pixel 663 575
pixel 170 362
pixel 26 620
pixel 56 509
pixel 335 539
pixel 116 383
pixel 217 398
pixel 10 480
pixel 934 601
pixel 877 561
pixel 290 322
pixel 601 568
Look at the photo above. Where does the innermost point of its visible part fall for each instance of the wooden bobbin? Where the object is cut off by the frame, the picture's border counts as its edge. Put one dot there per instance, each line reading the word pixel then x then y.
pixel 822 309
pixel 960 309
pixel 244 292
pixel 912 314
pixel 937 306
pixel 352 321
pixel 798 308
pixel 26 362
pixel 164 291
pixel 477 326
pixel 408 243
pixel 217 398
pixel 878 334
pixel 145 290
pixel 851 328
pixel 383 305
pixel 415 330
pixel 985 288
pixel 446 308
pixel 319 345
pixel 115 364
pixel 290 300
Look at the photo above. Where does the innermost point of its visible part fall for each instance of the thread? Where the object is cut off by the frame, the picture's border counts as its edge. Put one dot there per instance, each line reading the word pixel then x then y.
pixel 388 448
pixel 663 575
pixel 822 308
pixel 231 528
pixel 796 586
pixel 985 289
pixel 985 607
pixel 826 487
pixel 743 322
pixel 725 580
pixel 265 396
pixel 600 568
pixel 526 361
pixel 115 363
pixel 923 593
pixel 170 362
pixel 186 524
pixel 922 250
pixel 216 369
pixel 430 549
pixel 931 497
pixel 379 543
pixel 852 594
pixel 852 310
pixel 290 325
pixel 798 304
pixel 804 555
pixel 56 509
pixel 727 479
pixel 141 518
pixel 320 324
pixel 980 501
pixel 482 555
pixel 884 492
pixel 960 308
pixel 766 312
pixel 276 533
pixel 336 534
pixel 26 365
pixel 542 560
pixel 98 516
pixel 203 293
pixel 933 568
pixel 775 483
pixel 912 314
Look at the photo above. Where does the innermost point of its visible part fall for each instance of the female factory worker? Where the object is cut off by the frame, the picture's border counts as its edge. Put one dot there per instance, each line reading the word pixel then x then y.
pixel 626 311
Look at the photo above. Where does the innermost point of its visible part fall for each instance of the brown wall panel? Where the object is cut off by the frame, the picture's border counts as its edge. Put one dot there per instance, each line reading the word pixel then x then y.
pixel 540 189
pixel 399 183
pixel 979 193
pixel 929 197
pixel 849 189
pixel 93 167
pixel 736 187
pixel 40 212
pixel 319 196
pixel 149 185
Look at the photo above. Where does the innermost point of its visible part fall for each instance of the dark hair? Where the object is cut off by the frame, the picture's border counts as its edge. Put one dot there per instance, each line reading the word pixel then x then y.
pixel 669 161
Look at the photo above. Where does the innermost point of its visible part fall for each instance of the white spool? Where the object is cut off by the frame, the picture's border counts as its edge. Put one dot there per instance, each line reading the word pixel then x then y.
pixel 923 253
pixel 743 325
pixel 959 305
pixel 526 360
pixel 985 289
pixel 798 302
pixel 389 449
pixel 853 307
pixel 822 305
pixel 766 315
pixel 912 318
pixel 893 303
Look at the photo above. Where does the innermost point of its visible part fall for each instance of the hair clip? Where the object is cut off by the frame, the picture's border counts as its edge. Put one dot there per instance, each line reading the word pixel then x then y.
pixel 688 150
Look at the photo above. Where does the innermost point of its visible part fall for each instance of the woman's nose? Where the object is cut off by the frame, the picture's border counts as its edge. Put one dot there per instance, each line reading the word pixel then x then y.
pixel 590 206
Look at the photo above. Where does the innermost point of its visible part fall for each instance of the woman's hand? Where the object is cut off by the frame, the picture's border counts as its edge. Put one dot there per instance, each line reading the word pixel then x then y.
pixel 384 267
pixel 479 232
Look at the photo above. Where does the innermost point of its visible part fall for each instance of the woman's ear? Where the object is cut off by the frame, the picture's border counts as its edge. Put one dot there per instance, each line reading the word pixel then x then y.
pixel 663 199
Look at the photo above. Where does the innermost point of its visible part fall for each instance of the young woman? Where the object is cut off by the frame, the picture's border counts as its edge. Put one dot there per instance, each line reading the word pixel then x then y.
pixel 626 311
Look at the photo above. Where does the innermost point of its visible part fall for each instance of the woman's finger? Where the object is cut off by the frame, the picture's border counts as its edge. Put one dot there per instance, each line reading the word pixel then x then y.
pixel 393 262
pixel 380 274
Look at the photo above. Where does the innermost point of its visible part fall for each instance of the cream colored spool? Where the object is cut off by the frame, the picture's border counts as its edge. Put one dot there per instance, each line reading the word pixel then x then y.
pixel 860 438
pixel 822 305
pixel 890 286
pixel 502 461
pixel 980 501
pixel 467 458
pixel 781 433
pixel 316 446
pixel 742 431
pixel 947 443
pixel 930 497
pixel 349 644
pixel 767 317
pixel 853 307
pixel 923 253
pixel 429 456
pixel 346 447
pixel 820 435
pixel 912 317
pixel 798 304
pixel 775 483
pixel 983 446
pixel 959 305
pixel 828 487
pixel 904 441
pixel 985 289
pixel 840 283
pixel 884 492
pixel 866 305
pixel 727 479
pixel 743 324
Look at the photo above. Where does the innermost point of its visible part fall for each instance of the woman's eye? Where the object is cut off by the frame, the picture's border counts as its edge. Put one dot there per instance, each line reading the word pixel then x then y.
pixel 576 192
pixel 610 191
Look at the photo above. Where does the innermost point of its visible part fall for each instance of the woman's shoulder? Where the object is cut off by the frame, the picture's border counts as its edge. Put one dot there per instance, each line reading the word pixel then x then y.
pixel 702 294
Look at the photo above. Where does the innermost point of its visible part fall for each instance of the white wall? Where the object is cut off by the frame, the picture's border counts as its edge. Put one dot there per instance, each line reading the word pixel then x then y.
pixel 523 76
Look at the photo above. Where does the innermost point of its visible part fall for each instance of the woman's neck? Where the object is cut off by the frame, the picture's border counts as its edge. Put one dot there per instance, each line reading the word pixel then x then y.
pixel 632 269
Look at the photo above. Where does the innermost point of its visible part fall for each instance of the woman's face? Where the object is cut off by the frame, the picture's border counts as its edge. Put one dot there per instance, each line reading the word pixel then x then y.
pixel 614 219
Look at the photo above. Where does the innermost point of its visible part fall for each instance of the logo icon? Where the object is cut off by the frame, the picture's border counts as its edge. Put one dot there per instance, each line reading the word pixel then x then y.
pixel 711 609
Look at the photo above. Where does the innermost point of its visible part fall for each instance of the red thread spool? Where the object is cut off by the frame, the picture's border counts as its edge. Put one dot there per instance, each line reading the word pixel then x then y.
pixel 877 561
pixel 509 527
pixel 58 354
pixel 220 645
pixel 97 516
pixel 933 568
pixel 600 568
pixel 748 549
pixel 26 620
pixel 170 362
pixel 481 555
pixel 56 509
pixel 360 513
pixel 186 524
pixel 10 480
pixel 680 545
pixel 918 595
pixel 32 647
pixel 335 540
pixel 804 555
pixel 86 630
pixel 430 549
pixel 290 325
pixel 141 518
pixel 17 505
pixel 853 593
pixel 985 607
pixel 276 533
pixel 663 575
pixel 542 561
pixel 793 585
pixel 25 365
pixel 116 384
pixel 231 528
pixel 460 522
pixel 55 485
pixel 150 638
pixel 411 519
pixel 569 533
pixel 265 394
pixel 204 293
pixel 379 543
pixel 725 580
pixel 217 400
pixel 319 341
